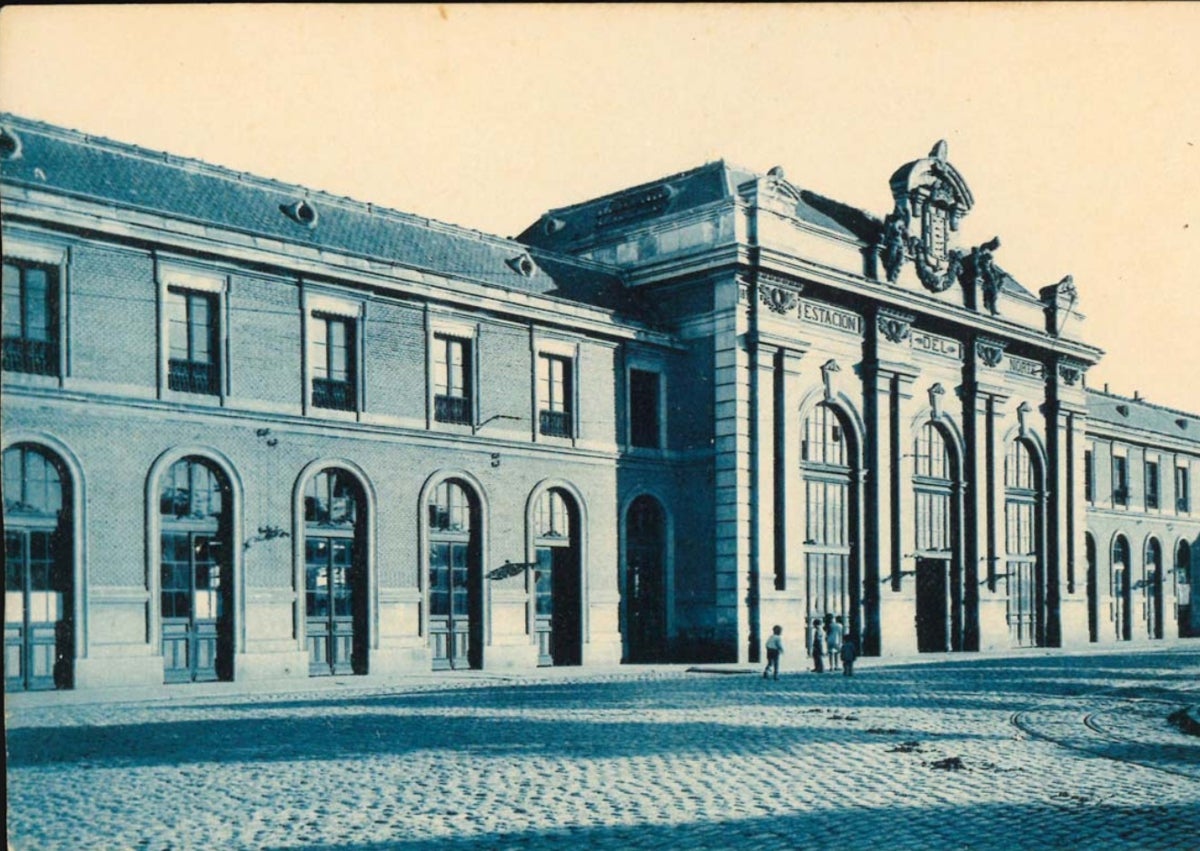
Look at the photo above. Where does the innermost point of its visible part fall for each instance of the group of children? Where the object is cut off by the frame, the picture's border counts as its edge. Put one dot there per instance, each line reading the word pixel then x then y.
pixel 827 637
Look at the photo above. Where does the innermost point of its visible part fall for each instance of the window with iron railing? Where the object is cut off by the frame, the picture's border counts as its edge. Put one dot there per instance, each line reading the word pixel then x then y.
pixel 1151 484
pixel 30 337
pixel 333 363
pixel 192 366
pixel 555 396
pixel 452 380
pixel 1120 481
pixel 1182 491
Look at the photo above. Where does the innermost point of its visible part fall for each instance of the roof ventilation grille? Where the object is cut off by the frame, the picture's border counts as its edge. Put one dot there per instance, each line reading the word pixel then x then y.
pixel 300 211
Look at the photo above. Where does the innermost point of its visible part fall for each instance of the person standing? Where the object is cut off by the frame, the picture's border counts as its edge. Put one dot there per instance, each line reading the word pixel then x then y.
pixel 818 647
pixel 849 654
pixel 836 630
pixel 774 651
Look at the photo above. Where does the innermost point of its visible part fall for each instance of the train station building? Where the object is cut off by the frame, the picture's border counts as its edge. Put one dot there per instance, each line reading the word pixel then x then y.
pixel 255 431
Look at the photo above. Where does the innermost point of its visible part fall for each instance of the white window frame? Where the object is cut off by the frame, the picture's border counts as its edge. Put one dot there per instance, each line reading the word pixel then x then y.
pixel 568 350
pixel 174 274
pixel 313 303
pixel 443 326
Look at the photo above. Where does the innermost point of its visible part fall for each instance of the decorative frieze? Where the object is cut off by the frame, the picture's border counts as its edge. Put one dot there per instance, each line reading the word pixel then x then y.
pixel 893 325
pixel 778 299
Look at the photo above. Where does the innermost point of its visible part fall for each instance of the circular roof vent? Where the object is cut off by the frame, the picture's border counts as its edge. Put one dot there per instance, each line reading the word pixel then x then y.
pixel 10 144
pixel 523 265
pixel 301 211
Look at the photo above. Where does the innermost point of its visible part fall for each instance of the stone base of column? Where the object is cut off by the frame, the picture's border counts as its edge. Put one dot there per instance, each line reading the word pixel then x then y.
pixel 897 623
pixel 993 622
pixel 1073 616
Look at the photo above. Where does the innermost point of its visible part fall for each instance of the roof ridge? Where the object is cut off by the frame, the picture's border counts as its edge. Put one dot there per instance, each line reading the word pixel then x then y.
pixel 1139 401
pixel 218 171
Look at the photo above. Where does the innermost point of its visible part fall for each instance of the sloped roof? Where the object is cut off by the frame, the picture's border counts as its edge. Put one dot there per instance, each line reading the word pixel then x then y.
pixel 1140 414
pixel 104 171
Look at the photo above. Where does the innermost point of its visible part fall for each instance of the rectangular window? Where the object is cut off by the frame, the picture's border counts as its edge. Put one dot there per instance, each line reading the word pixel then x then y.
pixel 452 380
pixel 554 396
pixel 643 408
pixel 1089 481
pixel 1183 502
pixel 1152 484
pixel 333 362
pixel 30 318
pixel 192 335
pixel 1120 480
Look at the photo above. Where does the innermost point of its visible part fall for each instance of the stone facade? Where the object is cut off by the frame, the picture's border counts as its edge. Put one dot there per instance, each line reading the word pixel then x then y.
pixel 647 429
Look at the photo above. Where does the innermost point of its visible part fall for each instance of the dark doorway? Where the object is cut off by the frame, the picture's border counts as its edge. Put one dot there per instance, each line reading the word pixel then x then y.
pixel 195 571
pixel 1093 590
pixel 1183 588
pixel 558 624
pixel 1121 589
pixel 1153 590
pixel 455 578
pixel 645 588
pixel 335 586
pixel 933 605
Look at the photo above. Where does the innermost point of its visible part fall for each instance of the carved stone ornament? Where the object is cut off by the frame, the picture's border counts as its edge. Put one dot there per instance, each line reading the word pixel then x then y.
pixel 990 352
pixel 828 370
pixel 894 243
pixel 988 279
pixel 778 299
pixel 1070 373
pixel 896 327
pixel 933 276
pixel 1022 413
pixel 936 392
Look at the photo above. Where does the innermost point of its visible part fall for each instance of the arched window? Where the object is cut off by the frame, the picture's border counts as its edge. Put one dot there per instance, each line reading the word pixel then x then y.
pixel 335 582
pixel 933 484
pixel 1183 588
pixel 455 579
pixel 828 491
pixel 1023 531
pixel 1152 590
pixel 557 581
pixel 1121 589
pixel 939 579
pixel 38 581
pixel 195 569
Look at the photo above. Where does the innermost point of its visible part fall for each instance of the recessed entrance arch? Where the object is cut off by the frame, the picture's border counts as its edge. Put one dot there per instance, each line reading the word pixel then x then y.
pixel 1121 590
pixel 196 571
pixel 1152 590
pixel 1183 588
pixel 1024 515
pixel 335 574
pixel 38 571
pixel 455 576
pixel 939 579
pixel 645 580
pixel 558 622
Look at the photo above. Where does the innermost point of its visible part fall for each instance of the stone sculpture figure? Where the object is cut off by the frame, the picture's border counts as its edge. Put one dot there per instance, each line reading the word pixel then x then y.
pixel 893 243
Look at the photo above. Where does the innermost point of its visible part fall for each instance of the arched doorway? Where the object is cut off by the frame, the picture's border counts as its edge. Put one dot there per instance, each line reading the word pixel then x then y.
pixel 1024 524
pixel 939 582
pixel 1183 588
pixel 1121 590
pixel 196 572
pixel 1152 590
pixel 335 582
pixel 38 581
pixel 557 599
pixel 1093 588
pixel 645 583
pixel 455 577
pixel 829 471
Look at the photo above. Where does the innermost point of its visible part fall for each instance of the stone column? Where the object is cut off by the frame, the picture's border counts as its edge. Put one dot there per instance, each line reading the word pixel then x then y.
pixel 1066 520
pixel 764 444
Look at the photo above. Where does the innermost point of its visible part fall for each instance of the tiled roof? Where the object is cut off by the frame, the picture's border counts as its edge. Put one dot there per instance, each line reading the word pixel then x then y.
pixel 86 167
pixel 1140 414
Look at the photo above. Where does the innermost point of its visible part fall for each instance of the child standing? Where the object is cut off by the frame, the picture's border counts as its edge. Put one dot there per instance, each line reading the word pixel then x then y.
pixel 774 651
pixel 849 654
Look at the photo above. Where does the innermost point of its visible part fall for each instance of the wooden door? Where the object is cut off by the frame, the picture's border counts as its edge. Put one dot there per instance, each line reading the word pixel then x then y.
pixel 36 612
pixel 331 605
pixel 196 639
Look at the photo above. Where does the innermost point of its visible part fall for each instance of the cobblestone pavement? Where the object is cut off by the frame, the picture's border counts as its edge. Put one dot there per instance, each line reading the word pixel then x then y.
pixel 1036 751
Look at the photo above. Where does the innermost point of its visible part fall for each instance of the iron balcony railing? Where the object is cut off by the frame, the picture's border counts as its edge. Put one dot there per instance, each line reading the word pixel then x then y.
pixel 555 423
pixel 39 357
pixel 188 376
pixel 452 409
pixel 338 395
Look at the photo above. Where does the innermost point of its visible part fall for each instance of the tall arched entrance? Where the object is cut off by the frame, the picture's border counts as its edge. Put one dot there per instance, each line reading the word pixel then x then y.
pixel 829 471
pixel 1024 525
pixel 1121 590
pixel 939 580
pixel 645 580
pixel 1093 588
pixel 335 576
pixel 1183 588
pixel 38 581
pixel 558 622
pixel 196 572
pixel 1152 590
pixel 455 577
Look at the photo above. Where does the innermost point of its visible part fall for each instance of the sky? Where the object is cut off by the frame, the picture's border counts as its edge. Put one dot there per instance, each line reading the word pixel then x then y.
pixel 1076 125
